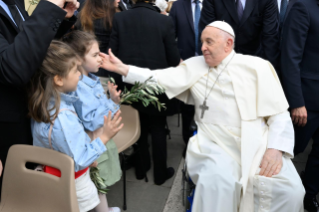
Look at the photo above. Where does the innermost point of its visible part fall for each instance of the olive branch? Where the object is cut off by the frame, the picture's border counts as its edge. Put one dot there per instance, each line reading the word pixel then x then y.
pixel 144 92
pixel 98 180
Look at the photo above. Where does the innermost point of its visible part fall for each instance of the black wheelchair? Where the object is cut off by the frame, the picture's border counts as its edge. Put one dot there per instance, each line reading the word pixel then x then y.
pixel 188 187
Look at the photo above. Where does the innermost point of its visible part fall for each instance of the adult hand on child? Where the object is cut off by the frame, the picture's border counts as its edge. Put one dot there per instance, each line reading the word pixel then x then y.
pixel 112 63
pixel 111 126
pixel 115 95
pixel 94 164
pixel 71 7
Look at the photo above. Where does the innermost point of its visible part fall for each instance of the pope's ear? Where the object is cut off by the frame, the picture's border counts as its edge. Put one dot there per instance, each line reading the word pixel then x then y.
pixel 230 43
pixel 58 80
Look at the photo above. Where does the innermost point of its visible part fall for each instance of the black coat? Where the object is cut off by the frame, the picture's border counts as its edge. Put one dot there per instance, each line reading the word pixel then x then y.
pixel 300 55
pixel 257 32
pixel 143 37
pixel 182 16
pixel 21 53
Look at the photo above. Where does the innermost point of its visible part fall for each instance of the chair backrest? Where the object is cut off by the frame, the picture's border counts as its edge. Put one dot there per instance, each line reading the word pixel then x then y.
pixel 131 130
pixel 32 191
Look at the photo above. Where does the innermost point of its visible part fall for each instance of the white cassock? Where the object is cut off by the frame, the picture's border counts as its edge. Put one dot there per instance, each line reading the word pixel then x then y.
pixel 247 114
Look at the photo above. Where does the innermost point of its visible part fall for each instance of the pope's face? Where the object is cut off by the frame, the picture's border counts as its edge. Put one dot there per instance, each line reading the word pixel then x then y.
pixel 213 46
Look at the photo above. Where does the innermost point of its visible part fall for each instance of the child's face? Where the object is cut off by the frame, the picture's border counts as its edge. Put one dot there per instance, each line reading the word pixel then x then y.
pixel 92 60
pixel 70 82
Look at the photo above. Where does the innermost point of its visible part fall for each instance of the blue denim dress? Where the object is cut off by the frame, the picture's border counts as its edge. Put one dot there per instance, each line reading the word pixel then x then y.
pixel 68 135
pixel 93 104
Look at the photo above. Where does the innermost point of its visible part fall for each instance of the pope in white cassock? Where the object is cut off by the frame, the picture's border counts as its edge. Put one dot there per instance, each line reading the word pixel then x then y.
pixel 240 159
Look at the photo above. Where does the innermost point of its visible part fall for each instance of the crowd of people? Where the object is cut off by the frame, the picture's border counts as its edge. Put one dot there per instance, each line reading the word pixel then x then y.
pixel 245 71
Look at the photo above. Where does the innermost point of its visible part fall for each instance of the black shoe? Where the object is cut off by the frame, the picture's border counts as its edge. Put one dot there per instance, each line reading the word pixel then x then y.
pixel 139 172
pixel 169 173
pixel 311 205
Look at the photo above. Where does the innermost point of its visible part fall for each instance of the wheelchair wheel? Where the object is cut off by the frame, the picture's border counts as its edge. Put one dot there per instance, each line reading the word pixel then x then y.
pixel 188 190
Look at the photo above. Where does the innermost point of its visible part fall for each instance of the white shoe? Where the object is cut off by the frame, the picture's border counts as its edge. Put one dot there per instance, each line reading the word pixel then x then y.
pixel 114 209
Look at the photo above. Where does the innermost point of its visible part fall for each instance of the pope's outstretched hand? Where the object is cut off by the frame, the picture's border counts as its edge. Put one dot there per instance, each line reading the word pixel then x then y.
pixel 112 63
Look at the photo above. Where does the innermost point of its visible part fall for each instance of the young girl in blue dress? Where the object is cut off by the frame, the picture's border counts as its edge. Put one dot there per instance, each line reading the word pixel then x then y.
pixel 93 104
pixel 55 124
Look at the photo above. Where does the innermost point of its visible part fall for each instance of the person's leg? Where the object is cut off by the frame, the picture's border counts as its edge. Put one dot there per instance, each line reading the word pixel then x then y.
pixel 304 134
pixel 311 174
pixel 311 177
pixel 159 148
pixel 103 206
pixel 217 178
pixel 281 192
pixel 142 157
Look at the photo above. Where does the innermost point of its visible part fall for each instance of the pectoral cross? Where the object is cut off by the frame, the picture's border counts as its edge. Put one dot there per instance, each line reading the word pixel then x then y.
pixel 203 107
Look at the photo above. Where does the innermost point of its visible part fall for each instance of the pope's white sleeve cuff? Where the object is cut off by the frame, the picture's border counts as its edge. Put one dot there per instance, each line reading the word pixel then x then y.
pixel 136 74
pixel 281 133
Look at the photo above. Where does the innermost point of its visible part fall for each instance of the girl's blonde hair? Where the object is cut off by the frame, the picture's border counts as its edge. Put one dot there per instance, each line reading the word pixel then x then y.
pixel 81 42
pixel 59 60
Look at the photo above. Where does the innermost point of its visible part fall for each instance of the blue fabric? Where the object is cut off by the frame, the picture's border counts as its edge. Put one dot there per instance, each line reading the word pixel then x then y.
pixel 68 135
pixel 283 8
pixel 5 7
pixel 240 9
pixel 93 104
pixel 197 17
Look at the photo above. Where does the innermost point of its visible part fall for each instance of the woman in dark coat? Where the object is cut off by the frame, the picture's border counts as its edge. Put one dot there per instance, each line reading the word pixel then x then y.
pixel 96 17
pixel 145 38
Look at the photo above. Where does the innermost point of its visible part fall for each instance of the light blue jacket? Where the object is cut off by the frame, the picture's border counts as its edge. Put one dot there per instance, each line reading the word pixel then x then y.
pixel 68 135
pixel 93 104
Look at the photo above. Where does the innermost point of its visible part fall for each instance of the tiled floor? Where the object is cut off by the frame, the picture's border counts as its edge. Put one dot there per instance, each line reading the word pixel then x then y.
pixel 147 197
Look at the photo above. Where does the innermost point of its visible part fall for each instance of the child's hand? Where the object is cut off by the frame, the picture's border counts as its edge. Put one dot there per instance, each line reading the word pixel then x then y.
pixel 115 95
pixel 94 164
pixel 111 126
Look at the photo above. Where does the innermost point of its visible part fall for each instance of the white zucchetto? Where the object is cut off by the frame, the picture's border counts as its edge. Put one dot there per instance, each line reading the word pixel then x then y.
pixel 222 25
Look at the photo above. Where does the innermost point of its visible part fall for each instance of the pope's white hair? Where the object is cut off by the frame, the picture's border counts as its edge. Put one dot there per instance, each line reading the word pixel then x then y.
pixel 227 36
pixel 161 4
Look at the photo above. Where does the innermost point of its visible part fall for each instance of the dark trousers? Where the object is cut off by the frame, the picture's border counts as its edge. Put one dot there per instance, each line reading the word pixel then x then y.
pixel 302 137
pixel 188 112
pixel 156 125
pixel 13 133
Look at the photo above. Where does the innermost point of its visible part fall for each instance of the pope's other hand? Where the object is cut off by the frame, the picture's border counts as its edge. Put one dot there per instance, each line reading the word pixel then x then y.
pixel 112 63
pixel 299 116
pixel 271 163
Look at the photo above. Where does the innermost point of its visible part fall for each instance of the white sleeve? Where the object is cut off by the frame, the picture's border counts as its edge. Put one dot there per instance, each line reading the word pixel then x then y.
pixel 136 74
pixel 281 134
